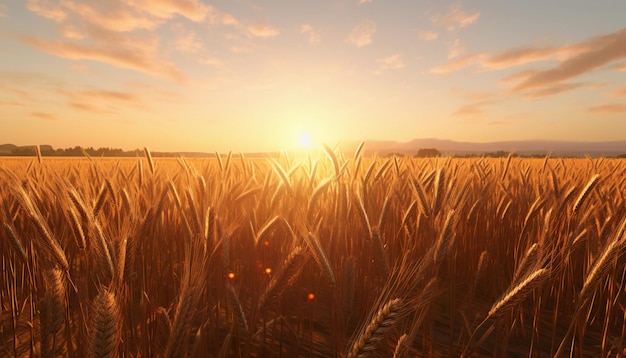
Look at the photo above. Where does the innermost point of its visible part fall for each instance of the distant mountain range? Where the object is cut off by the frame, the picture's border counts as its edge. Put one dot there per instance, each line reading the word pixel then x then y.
pixel 523 147
pixel 446 147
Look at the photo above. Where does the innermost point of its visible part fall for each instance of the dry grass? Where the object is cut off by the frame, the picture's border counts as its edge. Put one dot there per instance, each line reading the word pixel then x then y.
pixel 325 256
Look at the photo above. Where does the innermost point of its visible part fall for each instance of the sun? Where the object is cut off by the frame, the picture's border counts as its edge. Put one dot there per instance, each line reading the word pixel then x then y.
pixel 304 140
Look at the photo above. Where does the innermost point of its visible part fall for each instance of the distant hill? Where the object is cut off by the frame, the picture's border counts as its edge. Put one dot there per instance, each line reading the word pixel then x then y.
pixel 7 148
pixel 524 147
pixel 11 148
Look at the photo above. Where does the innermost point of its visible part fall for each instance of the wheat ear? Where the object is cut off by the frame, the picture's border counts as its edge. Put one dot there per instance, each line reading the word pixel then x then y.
pixel 518 292
pixel 320 258
pixel 16 243
pixel 150 161
pixel 106 331
pixel 240 317
pixel 603 261
pixel 285 277
pixel 384 319
pixel 380 256
pixel 53 307
pixel 445 238
pixel 527 262
pixel 585 193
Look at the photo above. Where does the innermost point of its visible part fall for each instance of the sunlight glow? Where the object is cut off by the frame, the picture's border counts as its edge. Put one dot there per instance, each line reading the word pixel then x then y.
pixel 304 140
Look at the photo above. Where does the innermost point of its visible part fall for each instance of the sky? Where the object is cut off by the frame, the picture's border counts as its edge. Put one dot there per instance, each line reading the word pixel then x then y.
pixel 249 76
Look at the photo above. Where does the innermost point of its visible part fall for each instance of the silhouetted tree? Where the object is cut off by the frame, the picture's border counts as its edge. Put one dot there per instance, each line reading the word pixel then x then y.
pixel 428 152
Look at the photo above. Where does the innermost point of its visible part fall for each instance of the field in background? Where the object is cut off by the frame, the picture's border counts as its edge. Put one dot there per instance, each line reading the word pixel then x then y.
pixel 329 256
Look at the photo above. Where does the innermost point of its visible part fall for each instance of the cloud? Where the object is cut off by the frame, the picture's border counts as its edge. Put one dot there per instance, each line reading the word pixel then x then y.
pixel 608 108
pixel 11 104
pixel 194 10
pixel 45 116
pixel 102 101
pixel 509 58
pixel 520 56
pixel 116 17
pixel 458 63
pixel 108 53
pixel 570 61
pixel 456 49
pixel 228 19
pixel 428 35
pixel 471 94
pixel 109 96
pixel 87 107
pixel 3 10
pixel 264 31
pixel 307 29
pixel 600 51
pixel 211 61
pixel 80 68
pixel 552 90
pixel 47 9
pixel 621 92
pixel 188 43
pixel 361 2
pixel 454 18
pixel 391 62
pixel 361 34
pixel 471 109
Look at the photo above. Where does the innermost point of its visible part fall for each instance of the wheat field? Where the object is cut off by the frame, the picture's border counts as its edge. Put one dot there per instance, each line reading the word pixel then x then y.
pixel 330 255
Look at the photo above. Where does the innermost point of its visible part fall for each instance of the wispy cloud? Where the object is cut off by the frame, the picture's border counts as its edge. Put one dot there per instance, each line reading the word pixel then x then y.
pixel 454 18
pixel 88 107
pixel 71 32
pixel 228 19
pixel 552 90
pixel 116 56
pixel 601 51
pixel 115 18
pixel 572 61
pixel 608 108
pixel 187 42
pixel 307 29
pixel 520 56
pixel 47 9
pixel 264 31
pixel 475 101
pixel 10 104
pixel 101 101
pixel 472 109
pixel 362 33
pixel 620 92
pixel 458 63
pixel 3 10
pixel 456 49
pixel 113 31
pixel 394 62
pixel 99 94
pixel 192 9
pixel 361 2
pixel 44 115
pixel 428 35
